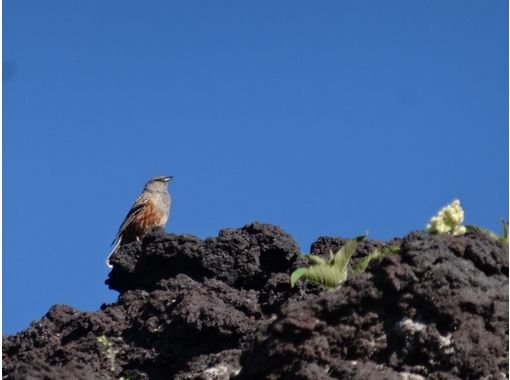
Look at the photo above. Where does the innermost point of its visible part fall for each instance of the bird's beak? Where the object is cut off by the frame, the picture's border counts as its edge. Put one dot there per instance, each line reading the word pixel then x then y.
pixel 167 179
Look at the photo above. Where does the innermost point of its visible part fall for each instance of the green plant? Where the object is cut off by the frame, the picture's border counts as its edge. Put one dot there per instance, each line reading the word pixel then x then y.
pixel 448 220
pixel 363 263
pixel 503 238
pixel 110 351
pixel 329 273
pixel 504 235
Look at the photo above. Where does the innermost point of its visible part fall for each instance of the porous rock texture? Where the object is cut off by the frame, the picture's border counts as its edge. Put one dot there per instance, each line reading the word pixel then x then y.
pixel 222 308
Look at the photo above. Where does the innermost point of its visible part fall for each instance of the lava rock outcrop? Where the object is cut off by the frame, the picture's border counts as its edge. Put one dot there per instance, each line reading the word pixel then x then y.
pixel 222 308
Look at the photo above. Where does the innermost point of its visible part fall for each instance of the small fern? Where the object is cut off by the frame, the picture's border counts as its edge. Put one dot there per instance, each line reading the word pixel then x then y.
pixel 362 265
pixel 316 260
pixel 110 352
pixel 328 273
pixel 504 233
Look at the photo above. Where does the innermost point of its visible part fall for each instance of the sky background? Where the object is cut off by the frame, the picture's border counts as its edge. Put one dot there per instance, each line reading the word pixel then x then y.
pixel 325 118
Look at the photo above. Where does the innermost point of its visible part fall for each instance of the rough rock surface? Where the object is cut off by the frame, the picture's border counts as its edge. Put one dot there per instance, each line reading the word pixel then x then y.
pixel 222 308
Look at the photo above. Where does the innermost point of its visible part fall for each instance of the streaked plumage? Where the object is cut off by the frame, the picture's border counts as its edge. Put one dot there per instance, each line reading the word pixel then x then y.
pixel 151 209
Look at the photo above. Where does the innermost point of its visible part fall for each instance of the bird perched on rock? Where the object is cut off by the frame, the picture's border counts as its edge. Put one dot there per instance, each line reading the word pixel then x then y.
pixel 151 209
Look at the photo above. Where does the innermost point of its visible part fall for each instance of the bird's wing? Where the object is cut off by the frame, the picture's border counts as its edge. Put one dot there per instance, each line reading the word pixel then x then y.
pixel 138 206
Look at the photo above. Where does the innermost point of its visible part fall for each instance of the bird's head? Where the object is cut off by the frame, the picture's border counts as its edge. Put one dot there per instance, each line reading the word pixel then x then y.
pixel 158 183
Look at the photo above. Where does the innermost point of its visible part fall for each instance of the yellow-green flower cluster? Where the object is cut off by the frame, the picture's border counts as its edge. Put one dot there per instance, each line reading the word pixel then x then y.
pixel 448 220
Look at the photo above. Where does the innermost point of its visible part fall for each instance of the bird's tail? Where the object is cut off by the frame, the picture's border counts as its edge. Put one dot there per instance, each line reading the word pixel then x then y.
pixel 117 243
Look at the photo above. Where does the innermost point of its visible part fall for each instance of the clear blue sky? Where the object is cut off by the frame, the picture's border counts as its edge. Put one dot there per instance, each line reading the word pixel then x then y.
pixel 325 118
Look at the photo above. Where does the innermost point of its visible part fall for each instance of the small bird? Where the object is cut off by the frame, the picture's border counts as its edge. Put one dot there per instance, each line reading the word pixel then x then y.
pixel 151 209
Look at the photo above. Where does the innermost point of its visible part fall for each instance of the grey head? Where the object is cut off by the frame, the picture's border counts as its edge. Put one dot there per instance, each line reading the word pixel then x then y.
pixel 158 184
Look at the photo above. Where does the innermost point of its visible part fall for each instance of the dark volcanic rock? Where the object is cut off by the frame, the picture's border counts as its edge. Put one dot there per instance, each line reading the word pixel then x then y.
pixel 222 307
pixel 243 257
pixel 426 312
